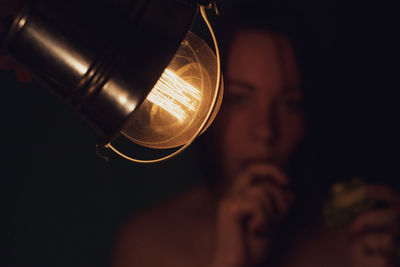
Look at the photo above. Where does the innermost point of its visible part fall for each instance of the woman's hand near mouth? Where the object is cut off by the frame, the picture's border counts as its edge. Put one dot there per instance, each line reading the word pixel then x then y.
pixel 249 213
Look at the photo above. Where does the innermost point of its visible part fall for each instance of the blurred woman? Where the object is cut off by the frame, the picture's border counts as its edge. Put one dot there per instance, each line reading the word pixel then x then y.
pixel 230 220
pixel 251 209
pixel 255 208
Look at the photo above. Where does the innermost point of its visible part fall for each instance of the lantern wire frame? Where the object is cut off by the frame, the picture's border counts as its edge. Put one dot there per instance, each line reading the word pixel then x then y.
pixel 216 97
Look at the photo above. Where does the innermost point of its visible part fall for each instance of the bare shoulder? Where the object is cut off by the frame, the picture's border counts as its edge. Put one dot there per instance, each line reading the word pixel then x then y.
pixel 152 237
pixel 140 239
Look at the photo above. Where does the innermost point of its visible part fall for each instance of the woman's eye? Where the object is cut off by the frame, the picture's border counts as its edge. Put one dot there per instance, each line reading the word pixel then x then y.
pixel 239 93
pixel 236 99
pixel 294 104
pixel 293 101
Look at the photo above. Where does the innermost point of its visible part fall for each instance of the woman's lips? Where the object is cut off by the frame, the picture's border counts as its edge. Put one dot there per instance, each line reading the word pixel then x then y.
pixel 260 160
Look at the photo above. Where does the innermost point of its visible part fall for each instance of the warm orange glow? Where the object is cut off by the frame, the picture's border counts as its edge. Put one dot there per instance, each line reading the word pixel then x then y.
pixel 175 95
pixel 178 107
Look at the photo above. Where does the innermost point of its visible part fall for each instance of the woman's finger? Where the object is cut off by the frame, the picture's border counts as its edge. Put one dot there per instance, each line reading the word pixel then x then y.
pixel 239 209
pixel 376 243
pixel 374 249
pixel 259 173
pixel 280 199
pixel 376 220
pixel 260 195
pixel 384 193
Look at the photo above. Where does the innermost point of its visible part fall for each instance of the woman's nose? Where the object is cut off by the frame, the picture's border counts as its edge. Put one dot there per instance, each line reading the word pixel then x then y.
pixel 265 123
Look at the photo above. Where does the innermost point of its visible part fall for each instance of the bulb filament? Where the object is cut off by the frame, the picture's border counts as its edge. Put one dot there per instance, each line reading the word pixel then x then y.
pixel 175 95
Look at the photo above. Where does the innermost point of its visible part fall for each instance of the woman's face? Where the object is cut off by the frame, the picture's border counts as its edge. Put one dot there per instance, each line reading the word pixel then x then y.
pixel 262 119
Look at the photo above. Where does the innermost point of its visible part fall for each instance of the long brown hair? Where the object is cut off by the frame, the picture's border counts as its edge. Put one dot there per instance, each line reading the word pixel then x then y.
pixel 266 17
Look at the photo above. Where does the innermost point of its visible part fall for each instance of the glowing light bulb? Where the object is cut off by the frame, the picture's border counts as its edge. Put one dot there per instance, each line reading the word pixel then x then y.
pixel 180 100
pixel 175 95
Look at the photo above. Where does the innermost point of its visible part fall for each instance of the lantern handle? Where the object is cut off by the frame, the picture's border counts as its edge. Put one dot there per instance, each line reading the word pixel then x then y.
pixel 217 93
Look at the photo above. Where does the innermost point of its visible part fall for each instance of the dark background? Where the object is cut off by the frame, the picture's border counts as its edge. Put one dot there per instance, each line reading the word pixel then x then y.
pixel 61 205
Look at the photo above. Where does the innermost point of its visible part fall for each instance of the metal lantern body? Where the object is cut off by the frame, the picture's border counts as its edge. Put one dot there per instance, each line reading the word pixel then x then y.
pixel 101 56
